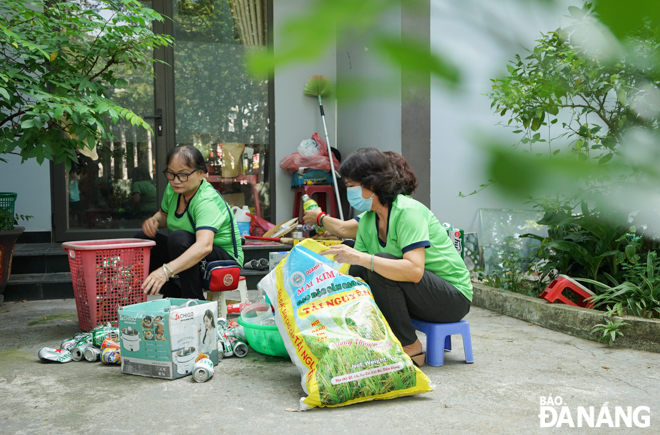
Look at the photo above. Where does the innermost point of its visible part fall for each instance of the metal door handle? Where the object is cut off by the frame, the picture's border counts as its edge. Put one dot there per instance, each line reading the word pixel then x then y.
pixel 159 121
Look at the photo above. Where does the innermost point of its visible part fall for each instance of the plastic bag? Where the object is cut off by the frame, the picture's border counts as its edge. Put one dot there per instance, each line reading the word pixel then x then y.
pixel 308 148
pixel 295 161
pixel 335 334
pixel 259 226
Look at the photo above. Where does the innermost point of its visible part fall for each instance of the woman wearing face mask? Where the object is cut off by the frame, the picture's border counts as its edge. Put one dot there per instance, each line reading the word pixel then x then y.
pixel 348 229
pixel 401 251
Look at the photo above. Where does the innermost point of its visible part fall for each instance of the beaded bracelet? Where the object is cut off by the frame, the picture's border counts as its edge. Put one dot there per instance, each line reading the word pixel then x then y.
pixel 321 220
pixel 168 269
pixel 320 215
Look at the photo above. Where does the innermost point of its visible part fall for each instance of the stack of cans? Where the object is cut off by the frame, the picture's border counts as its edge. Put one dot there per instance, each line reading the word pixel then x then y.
pixel 85 345
pixel 231 340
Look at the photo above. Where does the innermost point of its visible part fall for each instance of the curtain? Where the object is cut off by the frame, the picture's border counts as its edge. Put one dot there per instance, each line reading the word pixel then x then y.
pixel 250 17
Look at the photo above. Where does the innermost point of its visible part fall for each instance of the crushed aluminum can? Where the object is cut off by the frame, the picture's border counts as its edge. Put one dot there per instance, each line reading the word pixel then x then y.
pixel 203 370
pixel 222 323
pixel 239 348
pixel 92 354
pixel 57 355
pixel 108 342
pixel 99 336
pixel 238 332
pixel 69 344
pixel 85 337
pixel 110 355
pixel 78 352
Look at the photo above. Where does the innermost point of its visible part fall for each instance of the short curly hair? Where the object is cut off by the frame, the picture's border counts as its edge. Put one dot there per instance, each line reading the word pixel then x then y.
pixel 372 169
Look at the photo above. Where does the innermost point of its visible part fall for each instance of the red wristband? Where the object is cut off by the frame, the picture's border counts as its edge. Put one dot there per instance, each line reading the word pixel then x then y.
pixel 319 216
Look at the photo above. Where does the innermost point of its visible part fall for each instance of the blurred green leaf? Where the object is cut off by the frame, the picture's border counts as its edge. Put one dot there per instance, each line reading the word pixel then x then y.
pixel 626 17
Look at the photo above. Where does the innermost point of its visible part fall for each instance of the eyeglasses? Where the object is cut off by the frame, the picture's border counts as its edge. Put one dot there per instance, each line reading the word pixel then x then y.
pixel 182 176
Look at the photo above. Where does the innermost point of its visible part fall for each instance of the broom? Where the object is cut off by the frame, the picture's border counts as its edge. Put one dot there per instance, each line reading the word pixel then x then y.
pixel 320 86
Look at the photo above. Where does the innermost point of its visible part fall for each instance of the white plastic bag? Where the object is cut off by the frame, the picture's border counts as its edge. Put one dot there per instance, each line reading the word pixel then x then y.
pixel 308 148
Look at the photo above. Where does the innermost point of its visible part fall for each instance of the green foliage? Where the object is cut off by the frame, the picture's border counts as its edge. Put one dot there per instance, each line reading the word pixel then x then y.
pixel 640 298
pixel 595 97
pixel 8 222
pixel 58 69
pixel 609 330
pixel 576 102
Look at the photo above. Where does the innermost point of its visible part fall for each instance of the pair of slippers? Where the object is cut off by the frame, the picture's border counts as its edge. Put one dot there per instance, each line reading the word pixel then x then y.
pixel 260 264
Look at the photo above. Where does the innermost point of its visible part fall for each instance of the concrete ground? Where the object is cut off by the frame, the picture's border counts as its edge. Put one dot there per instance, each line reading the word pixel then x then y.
pixel 516 365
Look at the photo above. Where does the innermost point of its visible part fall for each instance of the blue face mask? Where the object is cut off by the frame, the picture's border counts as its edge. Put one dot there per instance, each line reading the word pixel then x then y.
pixel 355 199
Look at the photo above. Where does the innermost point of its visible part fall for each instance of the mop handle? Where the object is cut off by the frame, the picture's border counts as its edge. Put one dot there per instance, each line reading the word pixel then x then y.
pixel 332 164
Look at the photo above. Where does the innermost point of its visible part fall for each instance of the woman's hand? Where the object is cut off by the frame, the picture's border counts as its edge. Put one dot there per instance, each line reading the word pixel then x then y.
pixel 347 255
pixel 154 281
pixel 150 227
pixel 310 215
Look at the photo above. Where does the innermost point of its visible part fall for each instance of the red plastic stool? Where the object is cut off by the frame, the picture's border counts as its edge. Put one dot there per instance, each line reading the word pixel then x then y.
pixel 325 197
pixel 554 291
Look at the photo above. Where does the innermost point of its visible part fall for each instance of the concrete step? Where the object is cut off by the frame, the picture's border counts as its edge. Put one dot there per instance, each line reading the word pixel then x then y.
pixel 37 286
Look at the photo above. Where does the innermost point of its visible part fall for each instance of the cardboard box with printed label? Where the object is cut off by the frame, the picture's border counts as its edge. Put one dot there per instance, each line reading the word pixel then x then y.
pixel 164 338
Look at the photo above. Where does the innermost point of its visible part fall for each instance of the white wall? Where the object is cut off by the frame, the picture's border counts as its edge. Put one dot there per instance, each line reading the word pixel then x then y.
pixel 32 184
pixel 374 121
pixel 297 117
pixel 481 36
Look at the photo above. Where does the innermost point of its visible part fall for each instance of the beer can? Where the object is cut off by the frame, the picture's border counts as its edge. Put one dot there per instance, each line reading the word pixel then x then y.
pixel 92 354
pixel 110 355
pixel 203 370
pixel 57 355
pixel 85 337
pixel 99 336
pixel 239 348
pixel 222 323
pixel 238 332
pixel 78 352
pixel 224 347
pixel 68 344
pixel 108 342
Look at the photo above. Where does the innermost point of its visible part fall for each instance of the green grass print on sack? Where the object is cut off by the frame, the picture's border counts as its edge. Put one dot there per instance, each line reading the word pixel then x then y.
pixel 335 334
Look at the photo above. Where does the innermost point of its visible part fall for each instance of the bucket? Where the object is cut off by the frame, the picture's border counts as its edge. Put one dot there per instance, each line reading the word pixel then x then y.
pixel 242 219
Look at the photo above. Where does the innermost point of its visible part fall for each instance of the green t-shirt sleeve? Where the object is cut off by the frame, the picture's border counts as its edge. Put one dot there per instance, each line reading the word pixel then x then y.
pixel 412 232
pixel 208 215
pixel 167 199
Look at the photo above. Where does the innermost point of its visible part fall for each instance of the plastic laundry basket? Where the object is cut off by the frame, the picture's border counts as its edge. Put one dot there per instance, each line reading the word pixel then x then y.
pixel 106 275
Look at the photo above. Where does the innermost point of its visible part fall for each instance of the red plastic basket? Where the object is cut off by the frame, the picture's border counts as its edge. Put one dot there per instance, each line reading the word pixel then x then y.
pixel 106 275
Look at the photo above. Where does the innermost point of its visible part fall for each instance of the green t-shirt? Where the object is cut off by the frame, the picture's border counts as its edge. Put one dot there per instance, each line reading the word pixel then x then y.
pixel 411 225
pixel 208 211
pixel 147 192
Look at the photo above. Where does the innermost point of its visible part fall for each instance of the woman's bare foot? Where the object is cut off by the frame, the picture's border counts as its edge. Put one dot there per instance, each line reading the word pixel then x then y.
pixel 415 352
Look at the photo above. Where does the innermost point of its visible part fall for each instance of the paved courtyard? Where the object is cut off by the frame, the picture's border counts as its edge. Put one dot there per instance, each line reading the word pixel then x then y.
pixel 517 365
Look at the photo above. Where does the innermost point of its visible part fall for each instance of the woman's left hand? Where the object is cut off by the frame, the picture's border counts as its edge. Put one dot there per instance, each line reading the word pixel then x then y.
pixel 347 255
pixel 154 282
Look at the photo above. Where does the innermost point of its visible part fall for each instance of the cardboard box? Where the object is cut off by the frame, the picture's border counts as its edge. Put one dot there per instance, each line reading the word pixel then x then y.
pixel 274 258
pixel 163 338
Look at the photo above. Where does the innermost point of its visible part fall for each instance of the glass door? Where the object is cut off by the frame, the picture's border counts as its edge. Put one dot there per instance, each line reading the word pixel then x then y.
pixel 116 186
pixel 219 108
pixel 201 95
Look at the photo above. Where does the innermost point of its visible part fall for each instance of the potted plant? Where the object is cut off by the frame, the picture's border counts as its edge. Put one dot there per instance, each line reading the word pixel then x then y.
pixel 9 233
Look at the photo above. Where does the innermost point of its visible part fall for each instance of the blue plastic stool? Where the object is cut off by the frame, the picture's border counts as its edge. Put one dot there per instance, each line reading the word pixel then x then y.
pixel 439 333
